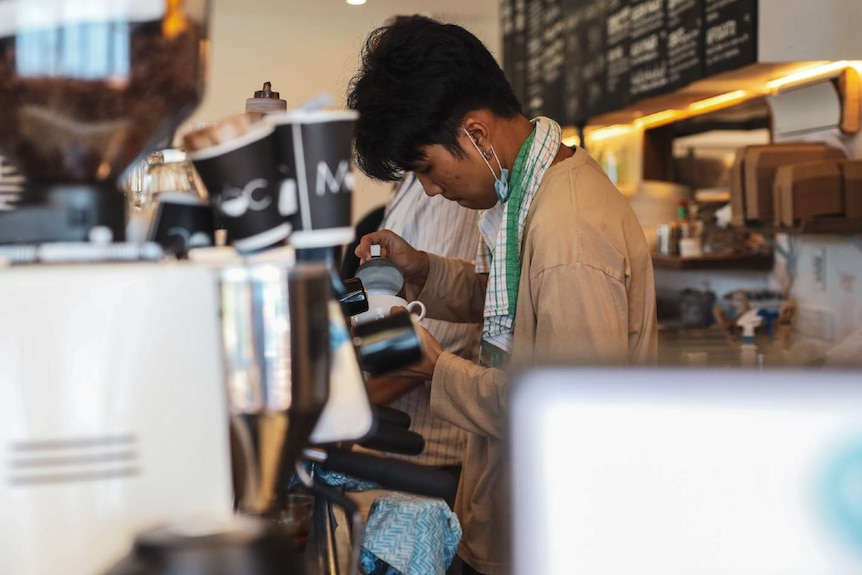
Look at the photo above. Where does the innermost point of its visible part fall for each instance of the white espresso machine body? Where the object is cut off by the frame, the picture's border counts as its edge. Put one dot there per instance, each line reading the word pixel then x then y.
pixel 113 414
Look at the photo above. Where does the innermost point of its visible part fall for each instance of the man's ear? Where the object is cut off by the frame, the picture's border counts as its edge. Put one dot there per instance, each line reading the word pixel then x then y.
pixel 477 128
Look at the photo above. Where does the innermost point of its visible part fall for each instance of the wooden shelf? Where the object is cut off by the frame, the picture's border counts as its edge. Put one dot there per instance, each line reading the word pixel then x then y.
pixel 751 78
pixel 760 262
pixel 818 226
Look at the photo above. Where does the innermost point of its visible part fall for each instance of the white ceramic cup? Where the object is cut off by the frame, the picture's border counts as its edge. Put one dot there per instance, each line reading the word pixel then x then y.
pixel 379 305
pixel 690 248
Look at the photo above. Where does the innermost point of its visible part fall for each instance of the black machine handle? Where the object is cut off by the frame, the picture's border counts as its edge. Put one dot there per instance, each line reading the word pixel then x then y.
pixel 392 416
pixel 392 439
pixel 387 344
pixel 354 298
pixel 391 473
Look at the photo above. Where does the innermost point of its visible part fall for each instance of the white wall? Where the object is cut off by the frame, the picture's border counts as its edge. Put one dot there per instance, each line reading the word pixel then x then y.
pixel 305 47
pixel 791 30
pixel 827 284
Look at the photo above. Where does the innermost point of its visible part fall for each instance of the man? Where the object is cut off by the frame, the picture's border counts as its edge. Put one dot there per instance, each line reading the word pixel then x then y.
pixel 565 272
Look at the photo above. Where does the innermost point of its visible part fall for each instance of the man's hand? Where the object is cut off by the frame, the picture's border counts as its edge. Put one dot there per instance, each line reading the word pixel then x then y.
pixel 423 370
pixel 413 263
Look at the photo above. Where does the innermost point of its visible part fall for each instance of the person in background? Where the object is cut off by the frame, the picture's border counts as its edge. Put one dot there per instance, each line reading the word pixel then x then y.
pixel 564 274
pixel 448 230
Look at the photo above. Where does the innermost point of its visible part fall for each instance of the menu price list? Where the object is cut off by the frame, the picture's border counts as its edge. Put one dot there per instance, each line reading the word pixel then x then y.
pixel 513 24
pixel 684 42
pixel 574 45
pixel 647 48
pixel 580 58
pixel 534 102
pixel 553 59
pixel 618 36
pixel 593 70
pixel 730 35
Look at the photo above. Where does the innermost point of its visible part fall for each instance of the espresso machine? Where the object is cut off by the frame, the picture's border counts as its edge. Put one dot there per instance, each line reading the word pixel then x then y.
pixel 112 405
pixel 144 401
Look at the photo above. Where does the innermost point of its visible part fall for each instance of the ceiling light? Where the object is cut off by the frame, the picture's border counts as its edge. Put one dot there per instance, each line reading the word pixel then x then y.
pixel 356 2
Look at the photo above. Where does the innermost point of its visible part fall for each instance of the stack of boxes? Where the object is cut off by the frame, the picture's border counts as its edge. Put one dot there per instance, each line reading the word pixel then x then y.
pixel 786 185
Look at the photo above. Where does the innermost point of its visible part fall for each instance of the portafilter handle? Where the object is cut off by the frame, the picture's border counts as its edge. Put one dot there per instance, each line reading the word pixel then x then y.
pixel 354 299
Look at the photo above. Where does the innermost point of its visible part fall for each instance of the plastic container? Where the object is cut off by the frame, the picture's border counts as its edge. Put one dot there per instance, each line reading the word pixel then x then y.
pixel 265 101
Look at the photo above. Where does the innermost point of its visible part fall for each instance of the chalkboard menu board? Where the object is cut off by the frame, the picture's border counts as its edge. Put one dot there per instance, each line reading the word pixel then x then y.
pixel 575 59
pixel 730 35
pixel 648 48
pixel 512 23
pixel 535 52
pixel 617 42
pixel 574 88
pixel 684 42
pixel 553 59
pixel 594 65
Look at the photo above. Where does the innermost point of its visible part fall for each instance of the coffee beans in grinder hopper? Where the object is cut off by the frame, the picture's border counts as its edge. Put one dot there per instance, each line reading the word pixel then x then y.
pixel 236 160
pixel 61 121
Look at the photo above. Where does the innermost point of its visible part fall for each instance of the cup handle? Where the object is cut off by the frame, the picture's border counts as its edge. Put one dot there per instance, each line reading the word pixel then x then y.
pixel 417 304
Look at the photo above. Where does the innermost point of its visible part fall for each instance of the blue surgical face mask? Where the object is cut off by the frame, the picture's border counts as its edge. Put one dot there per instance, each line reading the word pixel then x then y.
pixel 501 183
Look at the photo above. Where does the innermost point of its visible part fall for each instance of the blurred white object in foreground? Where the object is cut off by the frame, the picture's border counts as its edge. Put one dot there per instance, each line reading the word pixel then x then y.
pixel 687 471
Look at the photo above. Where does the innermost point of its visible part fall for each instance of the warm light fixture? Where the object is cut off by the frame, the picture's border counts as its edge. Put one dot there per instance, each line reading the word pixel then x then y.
pixel 811 73
pixel 720 101
pixel 356 2
pixel 610 132
pixel 657 119
pixel 802 76
pixel 571 137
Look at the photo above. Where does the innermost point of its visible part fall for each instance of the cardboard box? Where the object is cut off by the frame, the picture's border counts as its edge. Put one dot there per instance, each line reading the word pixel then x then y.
pixel 760 165
pixel 806 191
pixel 851 171
pixel 737 190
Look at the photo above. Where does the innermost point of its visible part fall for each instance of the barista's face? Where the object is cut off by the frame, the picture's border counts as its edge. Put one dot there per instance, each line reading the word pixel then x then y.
pixel 464 180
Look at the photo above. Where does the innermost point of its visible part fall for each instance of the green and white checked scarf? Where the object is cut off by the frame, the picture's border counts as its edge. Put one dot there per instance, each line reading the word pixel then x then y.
pixel 502 229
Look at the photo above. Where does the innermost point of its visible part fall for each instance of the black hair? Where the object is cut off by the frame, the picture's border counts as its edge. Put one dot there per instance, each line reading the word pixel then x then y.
pixel 417 81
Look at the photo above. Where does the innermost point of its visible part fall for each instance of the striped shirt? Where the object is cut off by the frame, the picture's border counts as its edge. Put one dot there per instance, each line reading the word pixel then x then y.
pixel 439 226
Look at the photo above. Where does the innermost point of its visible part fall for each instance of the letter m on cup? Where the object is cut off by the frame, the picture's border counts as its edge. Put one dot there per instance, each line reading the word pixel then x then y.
pixel 327 181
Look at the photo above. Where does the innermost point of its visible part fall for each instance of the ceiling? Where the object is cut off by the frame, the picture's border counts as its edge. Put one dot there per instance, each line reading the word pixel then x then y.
pixel 462 11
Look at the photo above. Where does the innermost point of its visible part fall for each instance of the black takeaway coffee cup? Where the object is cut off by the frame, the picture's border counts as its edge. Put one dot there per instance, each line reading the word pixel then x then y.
pixel 314 160
pixel 243 182
pixel 182 222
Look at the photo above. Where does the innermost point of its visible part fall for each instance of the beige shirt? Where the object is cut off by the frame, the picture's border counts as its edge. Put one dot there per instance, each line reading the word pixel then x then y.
pixel 586 295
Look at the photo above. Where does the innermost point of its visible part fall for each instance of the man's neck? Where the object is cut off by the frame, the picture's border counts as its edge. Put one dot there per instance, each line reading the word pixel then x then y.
pixel 513 133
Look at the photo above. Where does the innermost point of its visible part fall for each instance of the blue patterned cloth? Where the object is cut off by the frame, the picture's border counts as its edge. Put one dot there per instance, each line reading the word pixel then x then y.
pixel 333 479
pixel 409 535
